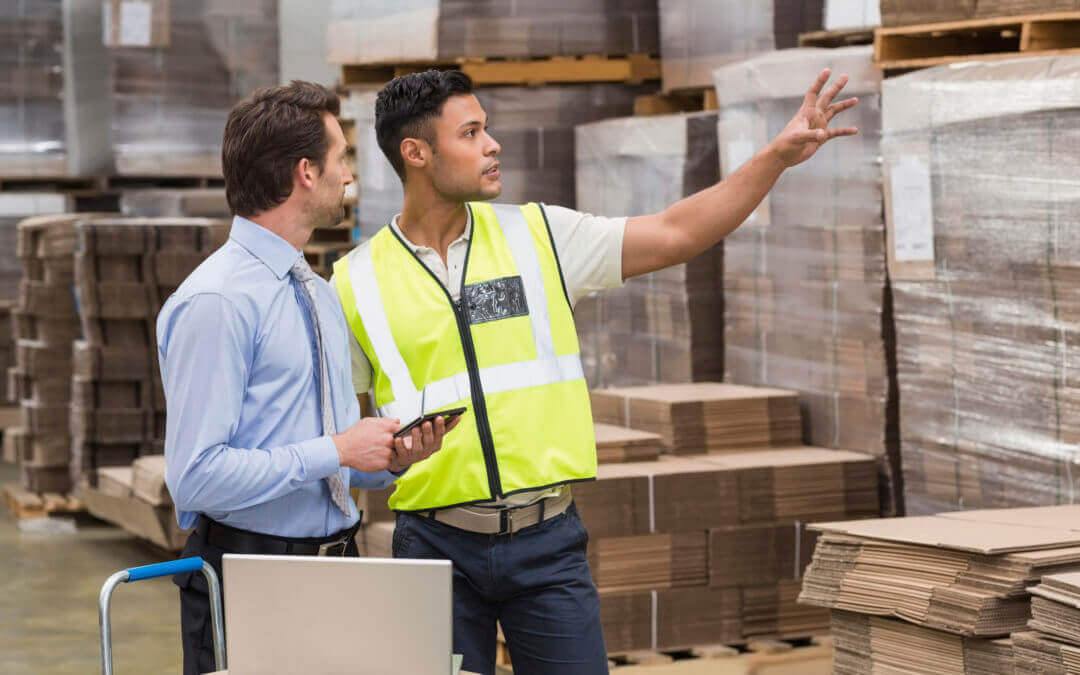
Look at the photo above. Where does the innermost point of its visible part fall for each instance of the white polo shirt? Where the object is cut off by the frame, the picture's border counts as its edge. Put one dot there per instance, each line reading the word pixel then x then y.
pixel 590 255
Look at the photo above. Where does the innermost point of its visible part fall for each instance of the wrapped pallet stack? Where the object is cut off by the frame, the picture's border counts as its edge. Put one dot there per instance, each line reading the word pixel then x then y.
pixel 53 91
pixel 666 326
pixel 371 31
pixel 125 269
pixel 697 36
pixel 807 302
pixel 177 69
pixel 45 324
pixel 981 209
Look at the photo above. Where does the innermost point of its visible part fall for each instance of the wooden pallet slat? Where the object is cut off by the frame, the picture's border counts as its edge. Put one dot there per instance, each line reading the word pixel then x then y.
pixel 675 102
pixel 25 504
pixel 524 72
pixel 925 45
pixel 831 39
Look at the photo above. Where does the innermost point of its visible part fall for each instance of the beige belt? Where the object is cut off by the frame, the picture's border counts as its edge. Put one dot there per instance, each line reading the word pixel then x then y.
pixel 503 521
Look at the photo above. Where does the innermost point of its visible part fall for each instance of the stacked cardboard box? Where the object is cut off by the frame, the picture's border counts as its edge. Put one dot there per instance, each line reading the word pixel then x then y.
pixel 906 12
pixel 45 324
pixel 807 304
pixel 697 36
pixel 369 31
pixel 938 578
pixel 866 644
pixel 980 203
pixel 53 89
pixel 706 550
pixel 666 326
pixel 177 69
pixel 125 269
pixel 135 498
pixel 1053 644
pixel 704 417
pixel 534 126
pixel 175 203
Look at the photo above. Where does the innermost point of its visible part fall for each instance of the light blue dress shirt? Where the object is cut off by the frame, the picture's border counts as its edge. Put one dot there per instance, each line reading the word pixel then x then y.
pixel 244 442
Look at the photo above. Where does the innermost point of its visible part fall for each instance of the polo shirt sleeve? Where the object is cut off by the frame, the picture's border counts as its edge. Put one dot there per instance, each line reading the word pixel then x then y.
pixel 589 249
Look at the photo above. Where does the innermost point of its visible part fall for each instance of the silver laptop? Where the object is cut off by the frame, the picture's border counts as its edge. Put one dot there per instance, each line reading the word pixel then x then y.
pixel 319 615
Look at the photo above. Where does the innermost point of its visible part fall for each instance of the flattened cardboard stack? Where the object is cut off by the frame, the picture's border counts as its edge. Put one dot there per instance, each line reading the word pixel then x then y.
pixel 620 444
pixel 666 326
pixel 906 12
pixel 697 36
pixel 45 324
pixel 985 285
pixel 807 304
pixel 937 578
pixel 125 268
pixel 866 644
pixel 371 31
pixel 135 498
pixel 534 126
pixel 704 417
pixel 1053 644
pixel 172 91
pixel 706 550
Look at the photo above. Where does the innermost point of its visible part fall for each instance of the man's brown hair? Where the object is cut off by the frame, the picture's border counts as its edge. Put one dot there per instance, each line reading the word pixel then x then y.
pixel 266 135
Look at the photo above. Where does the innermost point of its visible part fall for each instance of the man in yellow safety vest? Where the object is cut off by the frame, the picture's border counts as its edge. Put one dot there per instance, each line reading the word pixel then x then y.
pixel 462 303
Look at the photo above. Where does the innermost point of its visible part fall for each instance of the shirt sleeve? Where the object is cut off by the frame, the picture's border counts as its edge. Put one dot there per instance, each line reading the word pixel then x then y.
pixel 589 249
pixel 361 367
pixel 206 350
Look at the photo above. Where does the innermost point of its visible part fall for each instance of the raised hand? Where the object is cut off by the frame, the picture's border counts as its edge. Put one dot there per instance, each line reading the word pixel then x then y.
pixel 809 129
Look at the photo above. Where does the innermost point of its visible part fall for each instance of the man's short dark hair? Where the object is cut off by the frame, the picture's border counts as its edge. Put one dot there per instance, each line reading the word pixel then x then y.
pixel 266 135
pixel 406 106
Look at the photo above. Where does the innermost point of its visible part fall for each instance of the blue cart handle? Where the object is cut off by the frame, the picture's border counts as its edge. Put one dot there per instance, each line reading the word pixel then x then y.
pixel 164 569
pixel 194 564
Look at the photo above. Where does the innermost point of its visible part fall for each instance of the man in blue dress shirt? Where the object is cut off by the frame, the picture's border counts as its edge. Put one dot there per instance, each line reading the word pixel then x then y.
pixel 264 434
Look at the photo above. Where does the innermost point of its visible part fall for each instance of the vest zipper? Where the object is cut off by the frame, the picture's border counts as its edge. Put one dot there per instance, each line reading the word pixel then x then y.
pixel 483 426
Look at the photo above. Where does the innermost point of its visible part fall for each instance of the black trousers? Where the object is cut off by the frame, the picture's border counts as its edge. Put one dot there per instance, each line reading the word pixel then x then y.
pixel 196 627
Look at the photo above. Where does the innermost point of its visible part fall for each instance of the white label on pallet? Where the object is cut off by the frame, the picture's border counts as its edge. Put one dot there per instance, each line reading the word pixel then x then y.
pixel 135 23
pixel 912 211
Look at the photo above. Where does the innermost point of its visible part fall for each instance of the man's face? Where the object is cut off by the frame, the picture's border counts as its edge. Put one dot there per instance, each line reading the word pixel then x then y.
pixel 465 165
pixel 328 198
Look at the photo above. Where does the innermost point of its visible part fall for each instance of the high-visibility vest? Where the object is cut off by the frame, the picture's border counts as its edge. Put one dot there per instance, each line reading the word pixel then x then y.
pixel 507 350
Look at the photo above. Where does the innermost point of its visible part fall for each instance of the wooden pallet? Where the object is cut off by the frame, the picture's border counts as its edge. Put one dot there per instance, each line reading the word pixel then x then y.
pixel 932 44
pixel 831 39
pixel 676 102
pixel 103 184
pixel 811 656
pixel 525 72
pixel 24 504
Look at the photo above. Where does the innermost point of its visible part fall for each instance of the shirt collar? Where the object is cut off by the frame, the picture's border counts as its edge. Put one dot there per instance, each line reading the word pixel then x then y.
pixel 466 233
pixel 273 251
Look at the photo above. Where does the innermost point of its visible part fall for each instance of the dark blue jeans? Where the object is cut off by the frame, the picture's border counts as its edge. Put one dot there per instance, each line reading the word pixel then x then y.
pixel 536 584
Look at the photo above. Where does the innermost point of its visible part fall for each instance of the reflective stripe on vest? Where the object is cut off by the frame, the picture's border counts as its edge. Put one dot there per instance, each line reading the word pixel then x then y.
pixel 548 381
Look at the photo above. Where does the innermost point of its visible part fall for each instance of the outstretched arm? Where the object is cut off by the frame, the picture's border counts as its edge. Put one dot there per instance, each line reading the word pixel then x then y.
pixel 692 225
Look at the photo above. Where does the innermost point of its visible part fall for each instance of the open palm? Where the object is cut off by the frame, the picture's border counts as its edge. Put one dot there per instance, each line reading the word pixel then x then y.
pixel 809 129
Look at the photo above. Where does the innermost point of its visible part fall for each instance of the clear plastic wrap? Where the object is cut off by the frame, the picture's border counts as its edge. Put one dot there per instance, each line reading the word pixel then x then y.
pixel 806 303
pixel 171 103
pixel 697 36
pixel 847 14
pixel 371 31
pixel 666 326
pixel 534 126
pixel 981 163
pixel 52 89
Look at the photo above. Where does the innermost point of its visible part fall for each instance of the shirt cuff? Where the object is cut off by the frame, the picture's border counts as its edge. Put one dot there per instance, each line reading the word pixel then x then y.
pixel 320 456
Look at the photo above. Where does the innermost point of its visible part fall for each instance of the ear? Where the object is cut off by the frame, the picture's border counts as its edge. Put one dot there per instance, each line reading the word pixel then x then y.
pixel 306 173
pixel 415 152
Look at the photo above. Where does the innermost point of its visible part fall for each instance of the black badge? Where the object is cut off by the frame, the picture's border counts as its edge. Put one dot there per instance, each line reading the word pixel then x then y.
pixel 495 299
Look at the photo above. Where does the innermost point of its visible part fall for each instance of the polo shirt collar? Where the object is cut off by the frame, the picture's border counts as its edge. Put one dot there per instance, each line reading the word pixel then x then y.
pixel 273 251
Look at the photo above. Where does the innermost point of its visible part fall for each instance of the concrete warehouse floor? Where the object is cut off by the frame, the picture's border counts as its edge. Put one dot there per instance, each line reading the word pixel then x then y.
pixel 49 584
